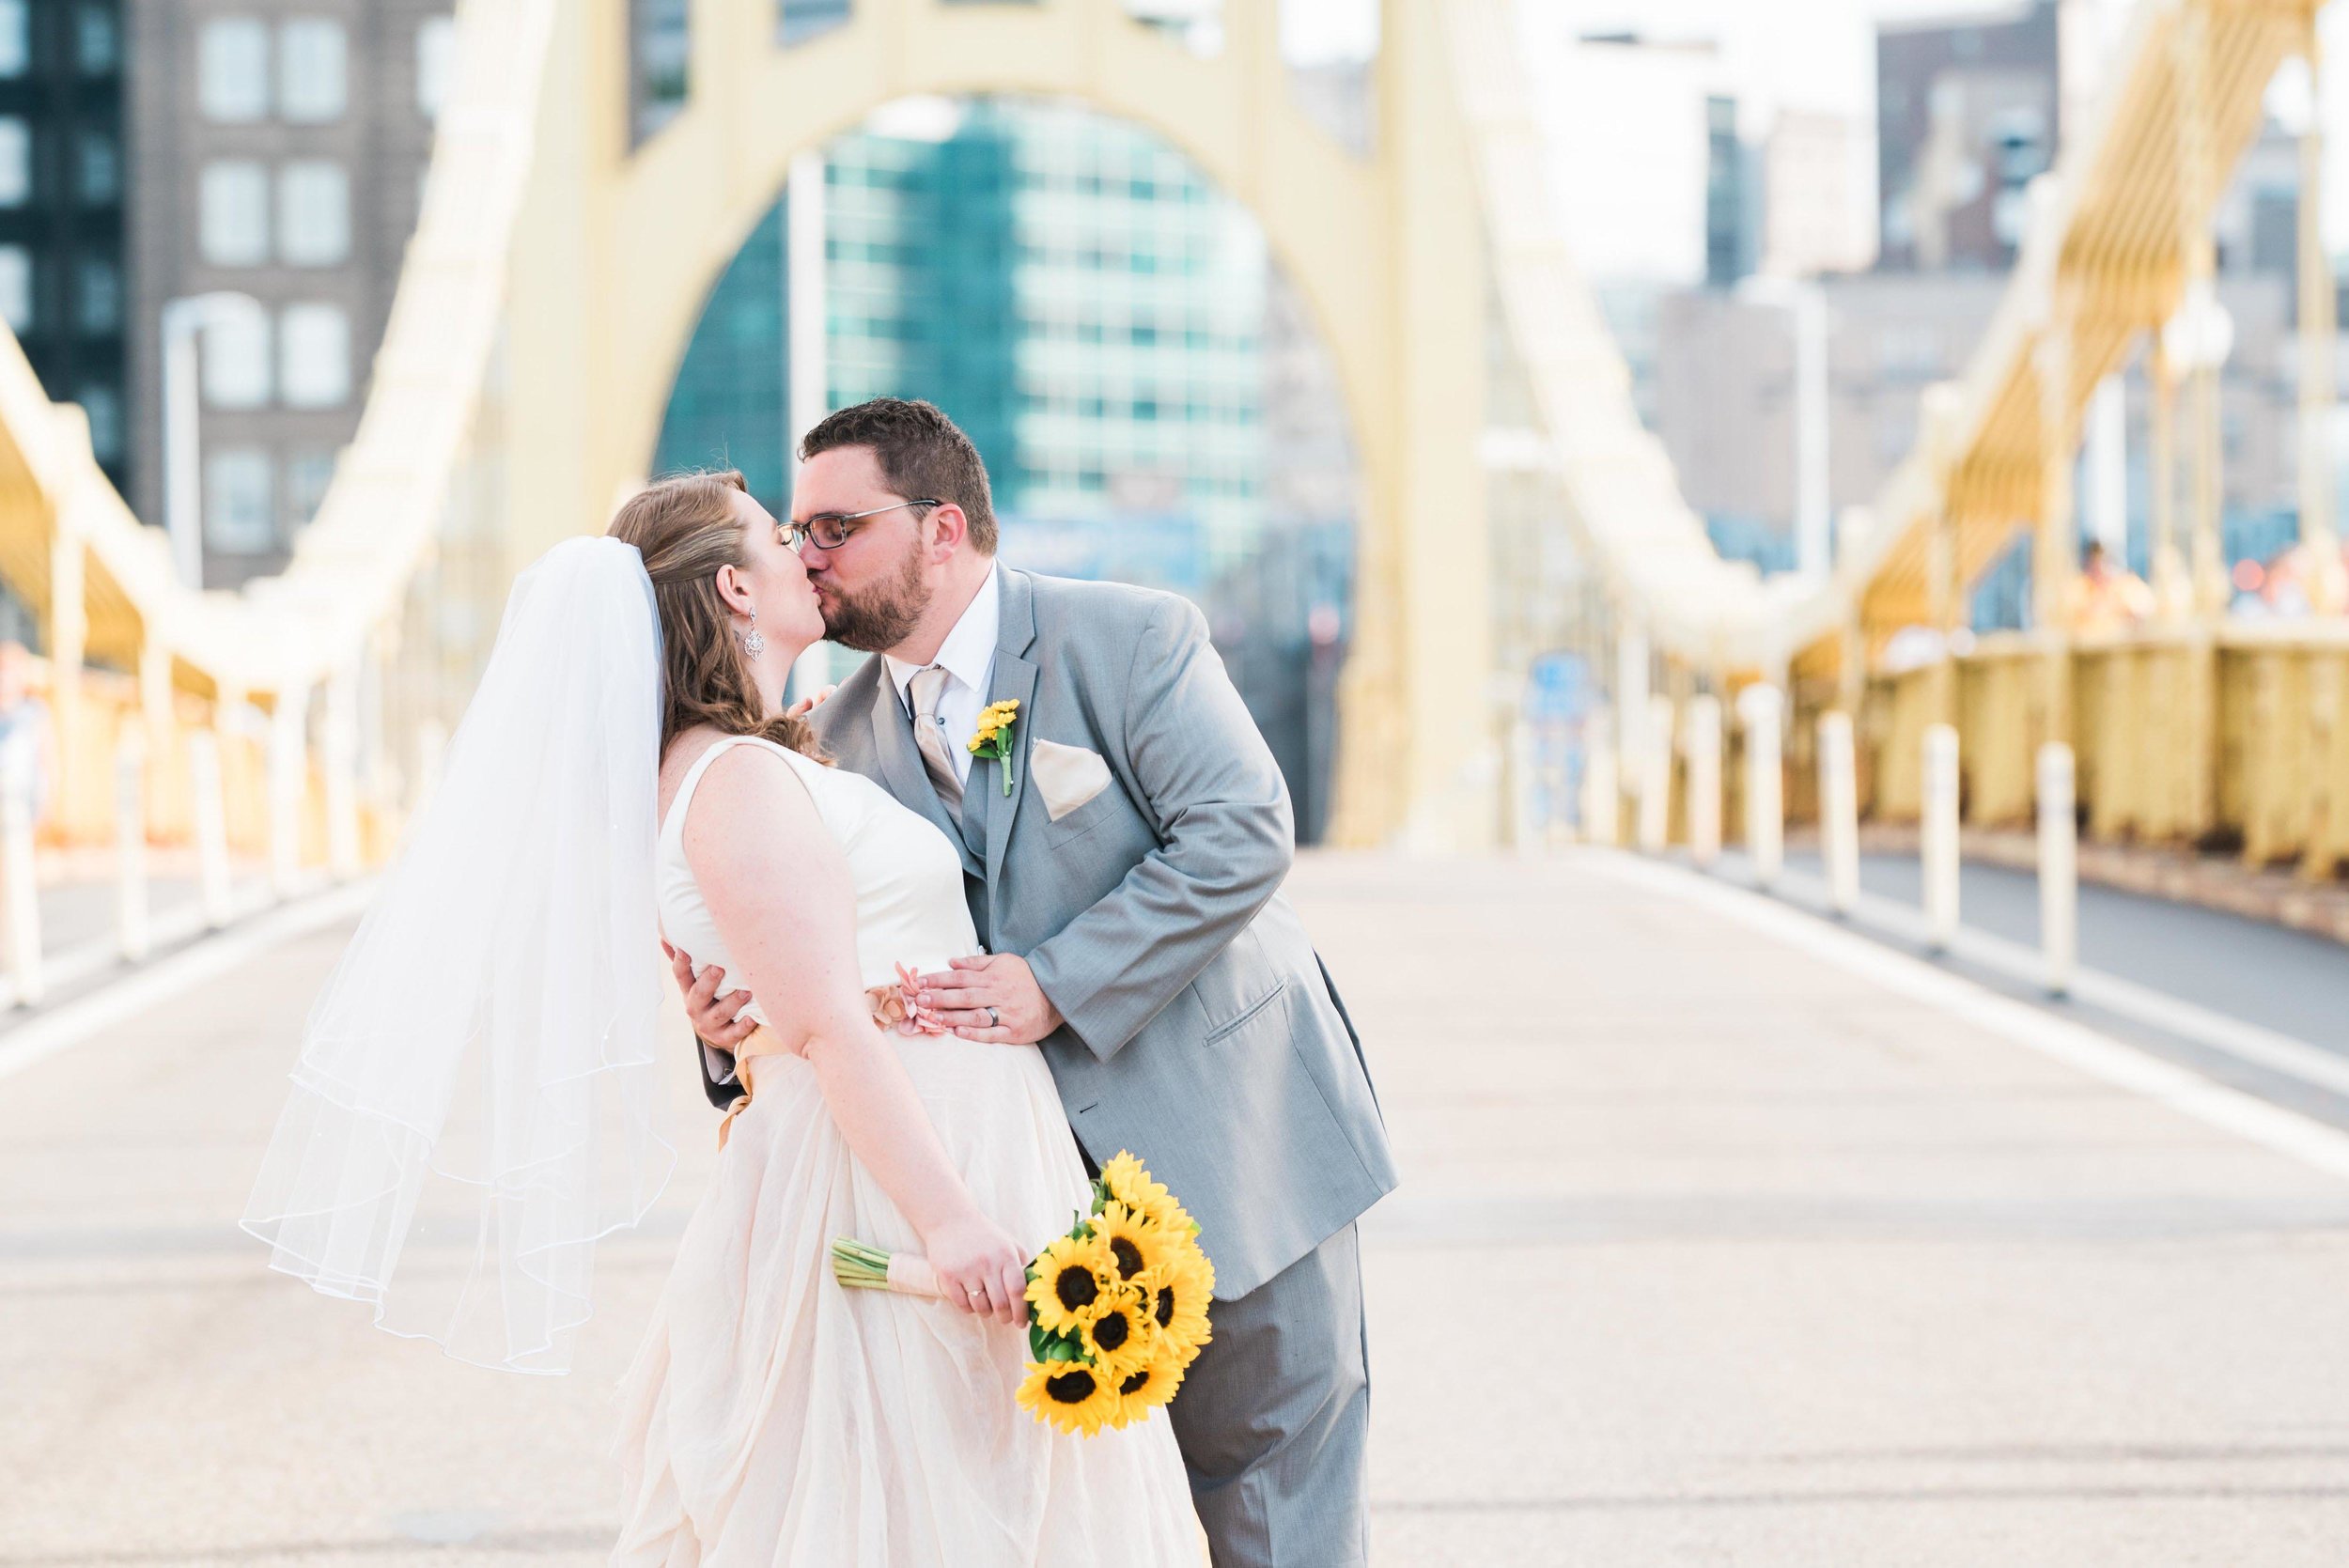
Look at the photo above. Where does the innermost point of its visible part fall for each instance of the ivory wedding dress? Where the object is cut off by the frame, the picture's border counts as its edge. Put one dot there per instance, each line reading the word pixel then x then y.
pixel 773 1416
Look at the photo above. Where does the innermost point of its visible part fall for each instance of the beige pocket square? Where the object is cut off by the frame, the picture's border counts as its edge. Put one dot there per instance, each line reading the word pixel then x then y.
pixel 1065 776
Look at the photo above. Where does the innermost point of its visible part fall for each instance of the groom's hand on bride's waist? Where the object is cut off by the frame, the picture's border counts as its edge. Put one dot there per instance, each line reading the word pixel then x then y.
pixel 992 997
pixel 715 1018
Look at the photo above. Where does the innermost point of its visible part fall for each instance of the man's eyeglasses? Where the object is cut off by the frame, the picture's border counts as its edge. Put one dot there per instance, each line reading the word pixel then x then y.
pixel 831 530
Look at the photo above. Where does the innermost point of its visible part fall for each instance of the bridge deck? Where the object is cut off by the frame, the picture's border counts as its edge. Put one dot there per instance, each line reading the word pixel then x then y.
pixel 1725 1238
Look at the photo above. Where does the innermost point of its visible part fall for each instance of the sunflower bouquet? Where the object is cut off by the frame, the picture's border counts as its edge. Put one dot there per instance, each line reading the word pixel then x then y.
pixel 1117 1309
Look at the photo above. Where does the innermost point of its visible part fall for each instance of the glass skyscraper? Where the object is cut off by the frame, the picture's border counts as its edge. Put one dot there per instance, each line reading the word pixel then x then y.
pixel 61 195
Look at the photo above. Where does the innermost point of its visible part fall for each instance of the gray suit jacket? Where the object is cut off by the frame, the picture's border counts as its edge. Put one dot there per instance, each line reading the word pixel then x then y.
pixel 1203 1032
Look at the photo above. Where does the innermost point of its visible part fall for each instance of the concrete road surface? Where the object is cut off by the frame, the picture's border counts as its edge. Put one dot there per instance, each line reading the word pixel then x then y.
pixel 1725 1240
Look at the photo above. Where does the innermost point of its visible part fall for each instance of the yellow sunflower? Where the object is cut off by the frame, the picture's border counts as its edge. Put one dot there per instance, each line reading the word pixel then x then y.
pixel 1180 1296
pixel 1071 1396
pixel 991 721
pixel 1138 1244
pixel 1131 1184
pixel 1142 1390
pixel 1120 1337
pixel 1071 1275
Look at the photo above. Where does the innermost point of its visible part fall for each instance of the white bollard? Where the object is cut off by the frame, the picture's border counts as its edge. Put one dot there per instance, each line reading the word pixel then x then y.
pixel 431 760
pixel 1631 694
pixel 131 929
pixel 1838 812
pixel 1656 776
pixel 211 828
pixel 1764 708
pixel 339 738
pixel 19 759
pixel 1602 790
pixel 1525 827
pixel 1937 836
pixel 2059 867
pixel 1705 780
pixel 284 791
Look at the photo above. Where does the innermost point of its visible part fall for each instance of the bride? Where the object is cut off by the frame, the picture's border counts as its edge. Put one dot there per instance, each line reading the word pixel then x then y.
pixel 626 766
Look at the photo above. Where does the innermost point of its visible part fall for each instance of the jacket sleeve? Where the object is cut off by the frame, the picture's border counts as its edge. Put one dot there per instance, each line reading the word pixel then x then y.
pixel 1226 838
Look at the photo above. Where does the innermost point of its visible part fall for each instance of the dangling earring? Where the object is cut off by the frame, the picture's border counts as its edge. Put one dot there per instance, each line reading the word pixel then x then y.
pixel 753 643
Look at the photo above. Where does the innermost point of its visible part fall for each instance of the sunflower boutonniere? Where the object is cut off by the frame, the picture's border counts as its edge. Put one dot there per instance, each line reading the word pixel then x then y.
pixel 993 735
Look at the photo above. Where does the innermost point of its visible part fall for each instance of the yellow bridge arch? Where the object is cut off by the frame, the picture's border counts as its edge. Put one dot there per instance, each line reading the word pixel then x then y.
pixel 616 251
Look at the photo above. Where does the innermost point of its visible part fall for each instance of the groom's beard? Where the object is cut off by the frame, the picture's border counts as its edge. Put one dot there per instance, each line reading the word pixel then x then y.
pixel 883 615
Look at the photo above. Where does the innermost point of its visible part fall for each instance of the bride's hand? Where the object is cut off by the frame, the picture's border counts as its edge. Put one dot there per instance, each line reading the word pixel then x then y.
pixel 980 1268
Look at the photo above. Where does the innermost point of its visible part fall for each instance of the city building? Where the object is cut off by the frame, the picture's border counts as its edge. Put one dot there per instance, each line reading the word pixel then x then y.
pixel 1730 204
pixel 277 151
pixel 1658 218
pixel 1725 402
pixel 1967 115
pixel 61 204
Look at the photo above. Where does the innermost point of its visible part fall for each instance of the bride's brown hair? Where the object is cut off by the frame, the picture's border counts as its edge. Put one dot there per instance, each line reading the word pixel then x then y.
pixel 684 528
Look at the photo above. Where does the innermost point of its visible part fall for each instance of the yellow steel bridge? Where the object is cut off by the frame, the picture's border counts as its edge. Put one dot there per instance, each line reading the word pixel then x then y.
pixel 557 271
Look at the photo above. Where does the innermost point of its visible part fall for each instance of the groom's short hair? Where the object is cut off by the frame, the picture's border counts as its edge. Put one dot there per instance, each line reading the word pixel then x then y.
pixel 922 453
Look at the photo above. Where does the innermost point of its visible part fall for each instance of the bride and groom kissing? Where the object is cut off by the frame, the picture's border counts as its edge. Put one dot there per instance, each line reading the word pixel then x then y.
pixel 1044 800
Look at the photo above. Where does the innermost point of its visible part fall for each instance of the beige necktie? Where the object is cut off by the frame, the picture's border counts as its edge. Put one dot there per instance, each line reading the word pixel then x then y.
pixel 930 736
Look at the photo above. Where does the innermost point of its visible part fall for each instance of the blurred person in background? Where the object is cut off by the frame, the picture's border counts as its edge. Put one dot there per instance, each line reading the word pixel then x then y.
pixel 2105 597
pixel 2293 582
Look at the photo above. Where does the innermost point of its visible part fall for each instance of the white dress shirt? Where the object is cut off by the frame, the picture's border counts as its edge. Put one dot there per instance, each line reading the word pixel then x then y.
pixel 968 657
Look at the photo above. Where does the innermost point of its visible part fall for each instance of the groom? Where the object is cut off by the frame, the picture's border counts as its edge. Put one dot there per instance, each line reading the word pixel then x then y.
pixel 1124 878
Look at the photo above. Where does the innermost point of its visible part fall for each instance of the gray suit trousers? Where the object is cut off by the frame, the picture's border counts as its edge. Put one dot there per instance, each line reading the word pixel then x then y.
pixel 1274 1417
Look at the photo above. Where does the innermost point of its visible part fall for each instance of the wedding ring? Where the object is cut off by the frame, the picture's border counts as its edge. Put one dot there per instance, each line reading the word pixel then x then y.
pixel 994 1019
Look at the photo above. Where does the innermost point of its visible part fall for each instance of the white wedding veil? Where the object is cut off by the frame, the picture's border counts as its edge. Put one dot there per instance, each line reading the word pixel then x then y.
pixel 476 1099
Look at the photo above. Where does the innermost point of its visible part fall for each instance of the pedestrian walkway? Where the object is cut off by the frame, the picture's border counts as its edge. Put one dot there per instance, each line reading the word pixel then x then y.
pixel 1726 1238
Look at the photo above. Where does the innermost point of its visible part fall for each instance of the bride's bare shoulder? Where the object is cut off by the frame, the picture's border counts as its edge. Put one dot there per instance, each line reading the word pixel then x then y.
pixel 751 812
pixel 684 749
pixel 744 771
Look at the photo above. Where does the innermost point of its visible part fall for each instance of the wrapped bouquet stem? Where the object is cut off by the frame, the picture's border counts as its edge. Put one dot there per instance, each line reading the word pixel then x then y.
pixel 1117 1309
pixel 907 1273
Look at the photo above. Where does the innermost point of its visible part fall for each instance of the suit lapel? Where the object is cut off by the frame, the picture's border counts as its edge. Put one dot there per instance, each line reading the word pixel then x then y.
pixel 978 799
pixel 902 770
pixel 1014 680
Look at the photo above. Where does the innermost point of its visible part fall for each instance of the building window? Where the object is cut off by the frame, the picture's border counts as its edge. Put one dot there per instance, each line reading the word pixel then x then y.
pixel 232 69
pixel 97 40
pixel 16 289
pixel 103 406
pixel 236 360
pixel 313 213
pixel 803 20
pixel 436 56
pixel 662 55
pixel 233 221
pixel 16 162
pixel 308 474
pixel 97 296
pixel 98 176
pixel 310 87
pixel 16 37
pixel 240 514
pixel 314 370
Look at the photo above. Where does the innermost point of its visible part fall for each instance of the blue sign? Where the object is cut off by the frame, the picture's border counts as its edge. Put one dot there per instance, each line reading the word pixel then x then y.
pixel 1558 686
